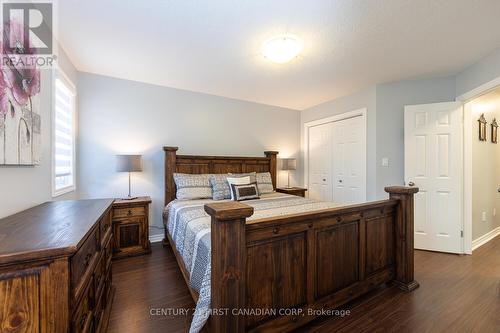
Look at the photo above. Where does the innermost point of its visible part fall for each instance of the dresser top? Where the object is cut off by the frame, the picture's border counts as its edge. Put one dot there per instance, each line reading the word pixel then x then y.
pixel 51 229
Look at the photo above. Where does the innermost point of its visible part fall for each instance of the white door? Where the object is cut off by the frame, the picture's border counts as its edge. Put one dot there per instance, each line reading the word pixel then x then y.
pixel 349 164
pixel 319 146
pixel 434 163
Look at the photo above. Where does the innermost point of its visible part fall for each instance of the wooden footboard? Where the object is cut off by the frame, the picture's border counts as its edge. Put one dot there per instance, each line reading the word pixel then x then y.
pixel 272 274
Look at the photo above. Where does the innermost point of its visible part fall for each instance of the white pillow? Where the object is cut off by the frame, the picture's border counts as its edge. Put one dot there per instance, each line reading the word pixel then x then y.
pixel 237 181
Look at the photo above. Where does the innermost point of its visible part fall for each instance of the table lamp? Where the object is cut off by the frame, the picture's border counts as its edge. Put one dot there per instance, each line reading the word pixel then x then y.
pixel 129 163
pixel 289 164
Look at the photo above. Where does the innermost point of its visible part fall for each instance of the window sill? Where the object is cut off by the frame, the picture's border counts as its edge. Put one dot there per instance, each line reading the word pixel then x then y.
pixel 62 191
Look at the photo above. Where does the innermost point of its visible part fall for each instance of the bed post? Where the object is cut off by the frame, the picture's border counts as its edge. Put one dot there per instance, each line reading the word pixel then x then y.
pixel 273 165
pixel 170 159
pixel 404 236
pixel 228 264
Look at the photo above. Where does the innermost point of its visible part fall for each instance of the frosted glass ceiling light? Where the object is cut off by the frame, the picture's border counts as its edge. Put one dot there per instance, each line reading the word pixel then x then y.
pixel 282 49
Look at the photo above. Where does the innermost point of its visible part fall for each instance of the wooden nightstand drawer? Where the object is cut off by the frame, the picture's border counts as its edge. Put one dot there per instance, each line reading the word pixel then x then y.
pixel 126 212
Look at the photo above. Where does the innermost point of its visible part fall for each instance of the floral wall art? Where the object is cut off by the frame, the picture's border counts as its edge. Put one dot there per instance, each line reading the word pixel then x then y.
pixel 20 123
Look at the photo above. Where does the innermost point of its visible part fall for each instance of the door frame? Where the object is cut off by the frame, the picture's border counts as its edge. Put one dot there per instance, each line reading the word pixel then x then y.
pixel 339 117
pixel 467 170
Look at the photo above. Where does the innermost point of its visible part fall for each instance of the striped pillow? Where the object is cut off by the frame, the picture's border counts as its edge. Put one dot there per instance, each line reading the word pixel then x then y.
pixel 264 182
pixel 192 186
pixel 252 175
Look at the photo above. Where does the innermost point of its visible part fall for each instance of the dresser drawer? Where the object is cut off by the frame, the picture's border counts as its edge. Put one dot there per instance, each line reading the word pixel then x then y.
pixel 99 313
pixel 83 261
pixel 105 225
pixel 123 212
pixel 99 276
pixel 108 254
pixel 83 316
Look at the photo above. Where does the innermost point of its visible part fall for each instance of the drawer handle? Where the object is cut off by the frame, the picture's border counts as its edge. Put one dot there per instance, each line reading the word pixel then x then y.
pixel 87 259
pixel 83 321
pixel 129 212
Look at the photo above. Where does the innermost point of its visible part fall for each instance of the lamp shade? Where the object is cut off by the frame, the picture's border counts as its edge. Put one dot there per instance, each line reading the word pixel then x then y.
pixel 128 163
pixel 289 164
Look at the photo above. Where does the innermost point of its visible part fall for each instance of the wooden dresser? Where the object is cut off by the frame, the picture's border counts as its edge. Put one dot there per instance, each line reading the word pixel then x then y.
pixel 55 268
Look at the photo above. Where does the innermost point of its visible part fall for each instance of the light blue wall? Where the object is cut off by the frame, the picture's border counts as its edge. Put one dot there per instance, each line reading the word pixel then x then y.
pixel 385 104
pixel 362 99
pixel 391 100
pixel 481 72
pixel 121 116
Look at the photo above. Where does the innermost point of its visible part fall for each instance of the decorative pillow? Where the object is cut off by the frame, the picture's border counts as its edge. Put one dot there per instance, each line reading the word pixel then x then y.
pixel 244 192
pixel 264 182
pixel 220 187
pixel 192 186
pixel 237 181
pixel 252 175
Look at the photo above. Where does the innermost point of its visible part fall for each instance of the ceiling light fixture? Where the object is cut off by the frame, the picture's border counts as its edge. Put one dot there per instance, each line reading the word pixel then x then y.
pixel 282 49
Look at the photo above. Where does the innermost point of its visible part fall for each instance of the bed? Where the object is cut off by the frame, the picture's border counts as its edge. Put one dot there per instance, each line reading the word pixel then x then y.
pixel 272 263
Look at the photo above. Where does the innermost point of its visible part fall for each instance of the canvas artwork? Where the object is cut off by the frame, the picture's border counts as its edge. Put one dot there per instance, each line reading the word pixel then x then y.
pixel 20 123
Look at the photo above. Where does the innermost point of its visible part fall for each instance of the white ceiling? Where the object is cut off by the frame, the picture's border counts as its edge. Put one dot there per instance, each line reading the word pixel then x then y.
pixel 213 46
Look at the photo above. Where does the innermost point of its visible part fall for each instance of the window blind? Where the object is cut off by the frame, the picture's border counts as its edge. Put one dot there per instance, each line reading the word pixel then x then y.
pixel 63 137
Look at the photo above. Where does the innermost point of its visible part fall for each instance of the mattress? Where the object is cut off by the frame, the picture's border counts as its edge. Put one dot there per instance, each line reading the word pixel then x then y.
pixel 189 228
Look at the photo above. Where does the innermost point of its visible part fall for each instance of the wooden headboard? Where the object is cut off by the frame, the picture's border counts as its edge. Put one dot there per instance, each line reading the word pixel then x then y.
pixel 213 164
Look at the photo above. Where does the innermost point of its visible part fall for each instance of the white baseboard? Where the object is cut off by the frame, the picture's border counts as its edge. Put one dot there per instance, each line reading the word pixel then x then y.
pixel 156 238
pixel 476 243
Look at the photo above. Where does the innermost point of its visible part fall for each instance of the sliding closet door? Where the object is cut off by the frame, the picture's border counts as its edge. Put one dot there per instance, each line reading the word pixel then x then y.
pixel 349 164
pixel 320 165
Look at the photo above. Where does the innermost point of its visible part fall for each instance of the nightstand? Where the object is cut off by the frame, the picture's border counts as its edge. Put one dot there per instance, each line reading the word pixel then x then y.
pixel 131 227
pixel 298 191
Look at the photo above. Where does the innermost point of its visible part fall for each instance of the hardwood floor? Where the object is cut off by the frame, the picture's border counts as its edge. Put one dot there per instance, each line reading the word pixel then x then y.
pixel 456 294
pixel 146 283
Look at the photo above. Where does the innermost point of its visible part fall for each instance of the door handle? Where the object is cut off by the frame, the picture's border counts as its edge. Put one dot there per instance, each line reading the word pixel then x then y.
pixel 411 184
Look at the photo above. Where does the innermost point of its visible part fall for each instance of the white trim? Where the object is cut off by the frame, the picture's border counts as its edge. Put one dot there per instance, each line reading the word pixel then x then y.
pixel 343 116
pixel 468 135
pixel 58 73
pixel 482 89
pixel 156 238
pixel 478 242
pixel 467 180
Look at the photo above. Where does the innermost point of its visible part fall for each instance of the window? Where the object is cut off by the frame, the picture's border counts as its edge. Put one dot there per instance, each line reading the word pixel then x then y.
pixel 63 136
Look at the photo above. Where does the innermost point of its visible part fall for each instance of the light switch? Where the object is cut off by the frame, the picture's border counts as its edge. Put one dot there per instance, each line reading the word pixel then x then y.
pixel 385 161
pixel 484 216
